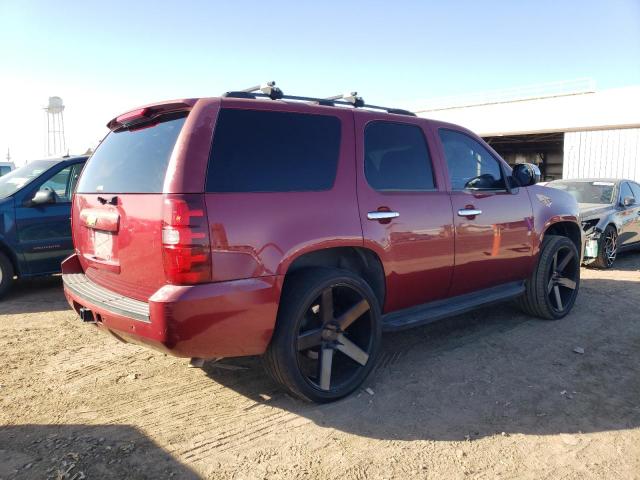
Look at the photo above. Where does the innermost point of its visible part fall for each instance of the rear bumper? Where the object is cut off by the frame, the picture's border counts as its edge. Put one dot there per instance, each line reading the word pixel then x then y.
pixel 225 319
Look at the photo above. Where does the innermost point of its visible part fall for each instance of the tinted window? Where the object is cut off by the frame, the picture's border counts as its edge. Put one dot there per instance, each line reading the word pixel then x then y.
pixel 132 161
pixel 4 170
pixel 396 157
pixel 636 191
pixel 470 165
pixel 263 151
pixel 59 185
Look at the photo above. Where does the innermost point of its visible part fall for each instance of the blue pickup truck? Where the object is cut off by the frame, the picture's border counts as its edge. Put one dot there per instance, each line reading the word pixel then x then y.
pixel 35 226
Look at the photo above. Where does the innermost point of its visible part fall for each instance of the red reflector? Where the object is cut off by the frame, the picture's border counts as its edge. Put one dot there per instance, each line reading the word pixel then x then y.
pixel 132 115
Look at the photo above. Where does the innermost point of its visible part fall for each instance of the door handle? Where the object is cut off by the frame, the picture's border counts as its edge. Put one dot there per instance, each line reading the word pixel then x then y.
pixel 382 215
pixel 469 212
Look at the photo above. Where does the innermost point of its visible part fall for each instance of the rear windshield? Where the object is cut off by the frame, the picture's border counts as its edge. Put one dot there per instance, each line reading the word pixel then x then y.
pixel 587 192
pixel 132 161
pixel 266 151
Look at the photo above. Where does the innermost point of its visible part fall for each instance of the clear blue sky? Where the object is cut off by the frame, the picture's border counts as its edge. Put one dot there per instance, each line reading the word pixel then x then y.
pixel 119 54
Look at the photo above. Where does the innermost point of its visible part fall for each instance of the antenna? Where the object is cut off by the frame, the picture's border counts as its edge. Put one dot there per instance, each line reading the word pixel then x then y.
pixel 56 142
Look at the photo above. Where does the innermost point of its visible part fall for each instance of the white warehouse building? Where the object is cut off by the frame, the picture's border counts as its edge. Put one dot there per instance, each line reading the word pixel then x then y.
pixel 568 128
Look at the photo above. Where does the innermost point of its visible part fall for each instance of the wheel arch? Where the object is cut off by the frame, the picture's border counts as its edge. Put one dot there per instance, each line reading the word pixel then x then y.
pixel 357 259
pixel 568 229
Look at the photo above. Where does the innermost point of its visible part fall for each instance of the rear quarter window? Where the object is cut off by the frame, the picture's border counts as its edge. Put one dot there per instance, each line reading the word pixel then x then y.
pixel 266 151
pixel 132 161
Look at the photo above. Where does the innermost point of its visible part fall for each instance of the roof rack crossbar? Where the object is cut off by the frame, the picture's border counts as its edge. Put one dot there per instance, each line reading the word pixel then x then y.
pixel 268 89
pixel 348 100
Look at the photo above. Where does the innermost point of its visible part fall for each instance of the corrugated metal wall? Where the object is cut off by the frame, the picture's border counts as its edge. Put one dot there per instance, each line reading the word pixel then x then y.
pixel 602 153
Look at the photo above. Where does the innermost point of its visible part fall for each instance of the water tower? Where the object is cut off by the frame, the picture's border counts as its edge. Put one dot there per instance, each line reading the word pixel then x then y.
pixel 56 143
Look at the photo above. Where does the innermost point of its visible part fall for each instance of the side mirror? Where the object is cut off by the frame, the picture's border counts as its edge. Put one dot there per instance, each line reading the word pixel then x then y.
pixel 43 197
pixel 628 201
pixel 526 174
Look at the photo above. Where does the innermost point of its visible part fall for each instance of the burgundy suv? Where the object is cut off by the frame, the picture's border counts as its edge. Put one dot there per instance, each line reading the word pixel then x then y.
pixel 300 229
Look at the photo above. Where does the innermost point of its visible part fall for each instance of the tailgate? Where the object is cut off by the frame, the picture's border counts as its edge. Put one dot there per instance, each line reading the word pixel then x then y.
pixel 118 208
pixel 120 245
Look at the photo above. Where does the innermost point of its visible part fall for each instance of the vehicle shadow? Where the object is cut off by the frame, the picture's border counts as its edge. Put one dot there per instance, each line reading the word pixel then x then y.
pixel 84 451
pixel 491 371
pixel 34 295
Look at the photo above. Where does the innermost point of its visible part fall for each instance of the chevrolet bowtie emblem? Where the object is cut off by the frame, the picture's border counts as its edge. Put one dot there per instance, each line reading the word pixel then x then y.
pixel 91 220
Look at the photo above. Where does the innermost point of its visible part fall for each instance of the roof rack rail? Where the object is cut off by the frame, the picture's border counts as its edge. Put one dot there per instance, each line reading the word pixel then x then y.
pixel 350 99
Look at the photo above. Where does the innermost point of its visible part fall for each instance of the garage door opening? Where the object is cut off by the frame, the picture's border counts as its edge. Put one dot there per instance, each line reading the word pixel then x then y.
pixel 543 149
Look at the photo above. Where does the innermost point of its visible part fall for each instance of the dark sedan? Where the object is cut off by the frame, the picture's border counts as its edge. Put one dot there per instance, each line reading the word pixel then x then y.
pixel 610 214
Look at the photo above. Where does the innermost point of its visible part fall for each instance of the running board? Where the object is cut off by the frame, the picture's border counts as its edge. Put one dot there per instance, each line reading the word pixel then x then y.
pixel 433 311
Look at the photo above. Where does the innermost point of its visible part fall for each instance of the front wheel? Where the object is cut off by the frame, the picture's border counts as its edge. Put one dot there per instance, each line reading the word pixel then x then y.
pixel 607 248
pixel 327 335
pixel 553 287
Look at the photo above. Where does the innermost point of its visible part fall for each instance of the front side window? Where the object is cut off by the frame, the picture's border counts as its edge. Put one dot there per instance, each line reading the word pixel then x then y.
pixel 470 165
pixel 396 157
pixel 266 151
pixel 59 185
pixel 625 191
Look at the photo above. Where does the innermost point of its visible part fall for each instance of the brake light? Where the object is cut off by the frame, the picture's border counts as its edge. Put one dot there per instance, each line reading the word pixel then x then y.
pixel 185 240
pixel 132 115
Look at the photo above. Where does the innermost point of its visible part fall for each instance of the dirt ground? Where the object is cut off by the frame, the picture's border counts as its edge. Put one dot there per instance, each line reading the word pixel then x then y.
pixel 493 394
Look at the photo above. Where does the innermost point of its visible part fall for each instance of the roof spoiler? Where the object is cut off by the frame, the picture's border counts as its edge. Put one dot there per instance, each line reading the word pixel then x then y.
pixel 145 115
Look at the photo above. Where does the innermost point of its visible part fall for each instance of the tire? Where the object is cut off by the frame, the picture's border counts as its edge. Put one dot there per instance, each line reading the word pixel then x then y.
pixel 551 291
pixel 339 332
pixel 607 248
pixel 6 274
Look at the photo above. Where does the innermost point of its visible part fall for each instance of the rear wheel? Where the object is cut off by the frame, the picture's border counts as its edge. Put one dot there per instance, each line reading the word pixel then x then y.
pixel 607 248
pixel 327 335
pixel 6 274
pixel 553 287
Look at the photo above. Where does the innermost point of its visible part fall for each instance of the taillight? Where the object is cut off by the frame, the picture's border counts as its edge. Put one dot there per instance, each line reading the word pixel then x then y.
pixel 185 240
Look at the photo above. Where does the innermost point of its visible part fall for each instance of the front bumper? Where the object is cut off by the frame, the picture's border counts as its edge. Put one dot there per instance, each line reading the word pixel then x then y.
pixel 591 241
pixel 225 319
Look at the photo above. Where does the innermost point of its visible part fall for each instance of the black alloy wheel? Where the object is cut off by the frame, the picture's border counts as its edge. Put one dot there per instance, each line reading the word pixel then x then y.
pixel 327 335
pixel 335 338
pixel 552 289
pixel 563 279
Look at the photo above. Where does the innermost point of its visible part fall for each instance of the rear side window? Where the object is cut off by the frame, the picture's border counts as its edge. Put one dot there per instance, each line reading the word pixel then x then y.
pixel 396 157
pixel 265 151
pixel 132 161
pixel 636 191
